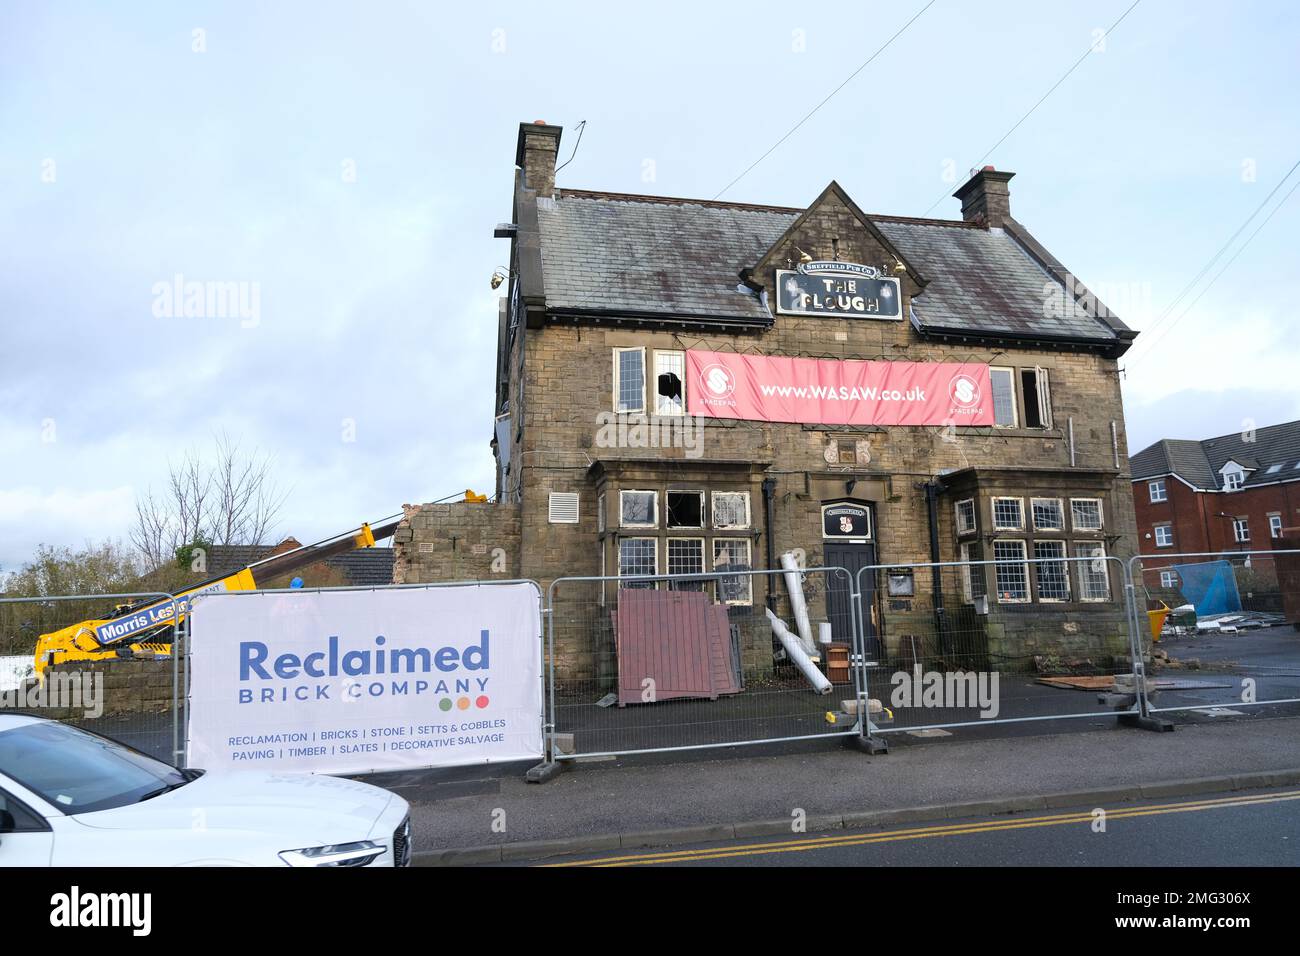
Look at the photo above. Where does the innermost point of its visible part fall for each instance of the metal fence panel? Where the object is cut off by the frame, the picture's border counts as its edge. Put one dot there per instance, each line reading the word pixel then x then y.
pixel 1229 637
pixel 676 662
pixel 128 696
pixel 1012 639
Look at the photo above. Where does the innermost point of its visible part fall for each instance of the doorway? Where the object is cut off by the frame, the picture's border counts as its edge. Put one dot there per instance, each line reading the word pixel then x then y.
pixel 853 556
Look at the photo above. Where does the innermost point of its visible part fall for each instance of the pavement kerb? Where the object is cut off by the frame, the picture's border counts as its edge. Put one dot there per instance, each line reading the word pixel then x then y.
pixel 542 849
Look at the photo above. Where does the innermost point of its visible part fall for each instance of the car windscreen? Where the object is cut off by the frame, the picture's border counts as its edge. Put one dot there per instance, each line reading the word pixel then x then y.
pixel 80 772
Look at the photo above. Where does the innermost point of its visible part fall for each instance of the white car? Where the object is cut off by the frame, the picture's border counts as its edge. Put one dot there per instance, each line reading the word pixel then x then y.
pixel 72 798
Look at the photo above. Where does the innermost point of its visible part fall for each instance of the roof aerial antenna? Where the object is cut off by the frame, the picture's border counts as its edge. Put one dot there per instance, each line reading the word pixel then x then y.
pixel 575 147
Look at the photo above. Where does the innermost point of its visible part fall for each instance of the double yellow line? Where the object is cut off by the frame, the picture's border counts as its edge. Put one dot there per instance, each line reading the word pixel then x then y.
pixel 922 833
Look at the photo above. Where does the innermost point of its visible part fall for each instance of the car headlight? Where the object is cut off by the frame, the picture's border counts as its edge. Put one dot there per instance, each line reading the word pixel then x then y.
pixel 360 853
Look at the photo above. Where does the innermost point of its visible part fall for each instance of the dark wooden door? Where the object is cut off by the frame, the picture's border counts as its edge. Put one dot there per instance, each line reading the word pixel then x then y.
pixel 852 557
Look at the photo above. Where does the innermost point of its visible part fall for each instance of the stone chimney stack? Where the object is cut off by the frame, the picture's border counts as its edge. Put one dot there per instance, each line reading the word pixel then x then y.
pixel 985 198
pixel 535 154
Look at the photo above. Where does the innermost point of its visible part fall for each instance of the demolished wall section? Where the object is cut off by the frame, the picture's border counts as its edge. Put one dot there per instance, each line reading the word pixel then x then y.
pixel 463 541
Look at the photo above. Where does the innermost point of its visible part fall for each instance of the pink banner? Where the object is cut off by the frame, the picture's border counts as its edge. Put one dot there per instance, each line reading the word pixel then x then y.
pixel 771 388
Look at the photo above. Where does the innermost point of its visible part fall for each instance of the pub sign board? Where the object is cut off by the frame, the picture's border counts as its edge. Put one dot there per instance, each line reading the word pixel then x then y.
pixel 838 288
pixel 846 520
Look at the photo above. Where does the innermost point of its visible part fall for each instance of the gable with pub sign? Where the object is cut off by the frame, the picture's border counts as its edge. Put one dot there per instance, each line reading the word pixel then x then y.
pixel 838 288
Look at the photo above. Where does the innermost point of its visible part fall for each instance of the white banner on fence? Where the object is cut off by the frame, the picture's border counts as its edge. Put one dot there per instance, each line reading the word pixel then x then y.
pixel 351 681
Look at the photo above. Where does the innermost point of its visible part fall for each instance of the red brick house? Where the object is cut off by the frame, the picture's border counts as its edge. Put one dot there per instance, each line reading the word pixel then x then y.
pixel 1232 493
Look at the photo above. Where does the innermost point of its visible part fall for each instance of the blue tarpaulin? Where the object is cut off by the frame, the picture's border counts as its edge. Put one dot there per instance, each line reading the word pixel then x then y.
pixel 1211 588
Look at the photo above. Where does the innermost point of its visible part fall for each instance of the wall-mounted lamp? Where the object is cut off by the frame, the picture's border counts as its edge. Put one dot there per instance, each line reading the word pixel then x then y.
pixel 500 276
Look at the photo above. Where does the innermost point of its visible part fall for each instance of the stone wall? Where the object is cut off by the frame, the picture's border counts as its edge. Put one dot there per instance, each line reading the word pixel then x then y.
pixel 463 541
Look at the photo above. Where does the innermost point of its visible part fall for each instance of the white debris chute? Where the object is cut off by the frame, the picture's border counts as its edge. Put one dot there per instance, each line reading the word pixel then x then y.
pixel 798 606
pixel 794 650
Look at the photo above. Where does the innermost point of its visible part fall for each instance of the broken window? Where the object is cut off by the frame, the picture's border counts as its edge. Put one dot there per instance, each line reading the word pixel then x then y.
pixel 1003 381
pixel 629 380
pixel 637 556
pixel 1085 514
pixel 730 509
pixel 1048 514
pixel 733 554
pixel 686 509
pixel 686 556
pixel 1050 572
pixel 1038 397
pixel 638 509
pixel 670 377
pixel 1094 577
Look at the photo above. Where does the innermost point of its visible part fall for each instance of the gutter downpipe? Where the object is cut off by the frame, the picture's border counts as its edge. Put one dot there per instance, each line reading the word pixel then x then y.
pixel 769 497
pixel 936 573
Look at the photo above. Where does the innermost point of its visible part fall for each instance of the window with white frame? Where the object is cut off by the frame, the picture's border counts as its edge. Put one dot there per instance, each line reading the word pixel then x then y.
pixel 1240 529
pixel 1232 480
pixel 638 509
pixel 731 510
pixel 1048 514
pixel 966 516
pixel 629 380
pixel 1274 469
pixel 637 556
pixel 1037 396
pixel 1094 575
pixel 600 512
pixel 1164 535
pixel 686 556
pixel 1169 579
pixel 1275 526
pixel 670 383
pixel 1011 572
pixel 1085 514
pixel 685 509
pixel 1050 571
pixel 733 554
pixel 972 575
pixel 1008 514
pixel 1003 382
pixel 1156 491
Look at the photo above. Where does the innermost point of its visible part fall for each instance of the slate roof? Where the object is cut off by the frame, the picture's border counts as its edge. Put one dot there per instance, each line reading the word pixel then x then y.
pixel 615 254
pixel 1198 462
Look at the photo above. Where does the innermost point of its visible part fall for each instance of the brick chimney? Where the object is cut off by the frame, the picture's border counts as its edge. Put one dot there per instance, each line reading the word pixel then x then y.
pixel 985 198
pixel 535 154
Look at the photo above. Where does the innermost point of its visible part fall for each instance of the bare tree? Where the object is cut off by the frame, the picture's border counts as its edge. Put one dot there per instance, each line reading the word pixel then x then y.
pixel 229 498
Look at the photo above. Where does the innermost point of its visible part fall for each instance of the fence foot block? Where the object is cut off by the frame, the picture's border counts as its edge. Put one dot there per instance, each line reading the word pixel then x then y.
pixel 543 772
pixel 1158 724
pixel 869 745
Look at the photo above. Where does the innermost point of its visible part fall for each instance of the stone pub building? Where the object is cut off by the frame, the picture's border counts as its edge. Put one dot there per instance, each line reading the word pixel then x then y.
pixel 687 386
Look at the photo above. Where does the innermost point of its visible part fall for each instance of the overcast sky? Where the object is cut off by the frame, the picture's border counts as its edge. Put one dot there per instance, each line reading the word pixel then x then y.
pixel 347 162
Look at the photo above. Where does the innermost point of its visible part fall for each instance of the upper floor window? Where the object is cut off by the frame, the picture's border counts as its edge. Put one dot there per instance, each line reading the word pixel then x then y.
pixel 638 509
pixel 1085 514
pixel 1008 514
pixel 1275 526
pixel 629 380
pixel 1004 397
pixel 1164 535
pixel 1232 480
pixel 1048 515
pixel 670 383
pixel 730 510
pixel 966 516
pixel 1037 395
pixel 1156 490
pixel 1240 529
